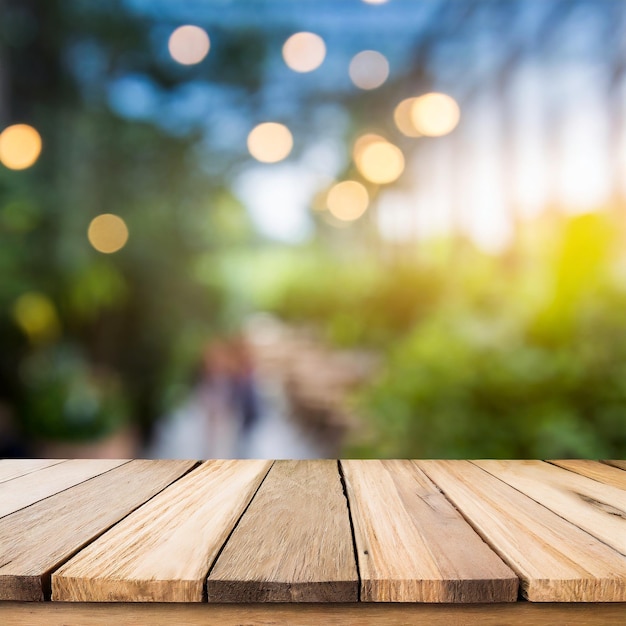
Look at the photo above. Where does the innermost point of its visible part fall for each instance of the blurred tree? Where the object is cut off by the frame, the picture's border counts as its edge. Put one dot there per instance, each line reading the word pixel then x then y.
pixel 120 316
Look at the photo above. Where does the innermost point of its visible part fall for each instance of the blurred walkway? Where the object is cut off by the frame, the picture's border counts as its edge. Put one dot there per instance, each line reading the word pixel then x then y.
pixel 299 403
pixel 189 433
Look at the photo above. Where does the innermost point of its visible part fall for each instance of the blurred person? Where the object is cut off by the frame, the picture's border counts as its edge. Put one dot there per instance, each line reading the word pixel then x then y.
pixel 244 386
pixel 219 418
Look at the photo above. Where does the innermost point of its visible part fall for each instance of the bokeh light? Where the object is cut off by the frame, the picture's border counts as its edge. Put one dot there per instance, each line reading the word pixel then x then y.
pixel 380 162
pixel 435 114
pixel 270 142
pixel 403 118
pixel 375 1
pixel 304 52
pixel 347 200
pixel 20 146
pixel 362 142
pixel 107 233
pixel 188 45
pixel 369 69
pixel 36 315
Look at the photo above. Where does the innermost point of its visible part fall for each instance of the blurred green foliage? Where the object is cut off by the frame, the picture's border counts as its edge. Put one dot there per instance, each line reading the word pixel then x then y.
pixel 91 342
pixel 521 357
pixel 353 303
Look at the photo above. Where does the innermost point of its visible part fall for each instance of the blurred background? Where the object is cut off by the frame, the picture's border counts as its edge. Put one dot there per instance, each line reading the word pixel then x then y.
pixel 303 228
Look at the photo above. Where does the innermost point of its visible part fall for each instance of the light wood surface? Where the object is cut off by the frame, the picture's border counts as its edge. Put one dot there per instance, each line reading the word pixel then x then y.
pixel 594 469
pixel 618 464
pixel 35 540
pixel 163 551
pixel 12 468
pixel 358 614
pixel 599 509
pixel 25 490
pixel 294 544
pixel 413 546
pixel 424 533
pixel 555 560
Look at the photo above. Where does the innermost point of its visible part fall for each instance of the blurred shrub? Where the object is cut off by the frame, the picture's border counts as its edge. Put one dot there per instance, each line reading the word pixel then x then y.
pixel 67 399
pixel 538 377
pixel 356 304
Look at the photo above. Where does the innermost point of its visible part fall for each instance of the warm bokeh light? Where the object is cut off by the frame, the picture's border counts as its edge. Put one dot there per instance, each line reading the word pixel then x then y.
pixel 362 142
pixel 369 69
pixel 435 114
pixel 20 146
pixel 107 233
pixel 403 118
pixel 189 44
pixel 304 52
pixel 36 315
pixel 270 142
pixel 347 200
pixel 380 162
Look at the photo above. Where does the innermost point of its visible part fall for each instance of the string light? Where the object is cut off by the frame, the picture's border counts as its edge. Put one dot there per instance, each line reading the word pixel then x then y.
pixel 270 142
pixel 107 233
pixel 189 45
pixel 304 52
pixel 435 114
pixel 20 146
pixel 347 200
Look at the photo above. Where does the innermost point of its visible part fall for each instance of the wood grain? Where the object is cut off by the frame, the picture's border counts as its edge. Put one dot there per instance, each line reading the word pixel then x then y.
pixel 555 560
pixel 599 509
pixel 595 470
pixel 618 464
pixel 25 490
pixel 163 551
pixel 352 614
pixel 413 546
pixel 12 468
pixel 35 540
pixel 294 544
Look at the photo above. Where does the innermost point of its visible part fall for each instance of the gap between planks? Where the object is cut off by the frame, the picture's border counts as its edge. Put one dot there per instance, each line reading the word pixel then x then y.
pixel 556 560
pixel 36 540
pixel 132 563
pixel 212 565
pixel 344 488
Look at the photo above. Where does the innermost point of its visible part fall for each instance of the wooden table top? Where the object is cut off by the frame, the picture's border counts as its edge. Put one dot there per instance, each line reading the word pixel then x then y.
pixel 250 531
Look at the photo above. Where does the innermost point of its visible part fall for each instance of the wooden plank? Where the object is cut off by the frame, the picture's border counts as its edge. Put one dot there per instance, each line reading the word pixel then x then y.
pixel 164 550
pixel 413 546
pixel 599 509
pixel 498 614
pixel 294 544
pixel 35 540
pixel 12 468
pixel 555 560
pixel 614 463
pixel 25 490
pixel 595 470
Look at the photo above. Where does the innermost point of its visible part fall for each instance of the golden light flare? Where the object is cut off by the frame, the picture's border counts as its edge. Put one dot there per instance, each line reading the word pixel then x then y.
pixel 189 45
pixel 435 114
pixel 107 233
pixel 378 160
pixel 304 52
pixel 403 118
pixel 36 315
pixel 20 146
pixel 347 200
pixel 270 142
pixel 369 69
